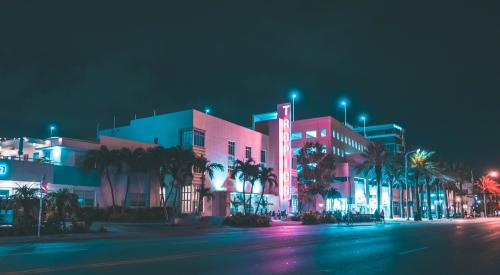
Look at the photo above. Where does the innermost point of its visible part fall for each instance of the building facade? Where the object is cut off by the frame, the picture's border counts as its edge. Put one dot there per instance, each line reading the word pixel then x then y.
pixel 391 135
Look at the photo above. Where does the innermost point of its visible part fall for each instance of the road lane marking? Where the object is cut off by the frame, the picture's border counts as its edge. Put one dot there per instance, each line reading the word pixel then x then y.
pixel 413 250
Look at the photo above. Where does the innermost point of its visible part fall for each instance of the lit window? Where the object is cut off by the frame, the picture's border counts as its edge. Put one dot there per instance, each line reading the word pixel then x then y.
pixel 231 148
pixel 85 198
pixel 199 138
pixel 323 132
pixel 311 134
pixel 338 136
pixel 186 196
pixel 248 152
pixel 296 135
pixel 333 149
pixel 333 133
pixel 323 149
pixel 263 156
pixel 338 151
pixel 296 151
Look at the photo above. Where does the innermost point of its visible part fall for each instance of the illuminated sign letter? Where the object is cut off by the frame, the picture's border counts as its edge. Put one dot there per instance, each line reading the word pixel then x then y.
pixel 285 152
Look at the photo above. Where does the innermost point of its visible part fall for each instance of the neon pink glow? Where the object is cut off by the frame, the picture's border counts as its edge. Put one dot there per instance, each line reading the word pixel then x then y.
pixel 285 151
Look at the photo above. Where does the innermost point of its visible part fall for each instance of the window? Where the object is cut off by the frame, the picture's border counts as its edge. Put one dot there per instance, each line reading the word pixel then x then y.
pixel 296 151
pixel 248 152
pixel 311 134
pixel 231 148
pixel 323 149
pixel 196 169
pixel 4 194
pixel 296 135
pixel 263 156
pixel 36 156
pixel 187 138
pixel 85 198
pixel 231 160
pixel 186 196
pixel 338 151
pixel 323 132
pixel 199 138
pixel 333 133
pixel 338 136
pixel 333 147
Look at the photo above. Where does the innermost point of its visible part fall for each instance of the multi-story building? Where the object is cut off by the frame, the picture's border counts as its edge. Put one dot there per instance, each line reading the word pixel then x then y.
pixel 218 140
pixel 274 141
pixel 391 135
pixel 59 162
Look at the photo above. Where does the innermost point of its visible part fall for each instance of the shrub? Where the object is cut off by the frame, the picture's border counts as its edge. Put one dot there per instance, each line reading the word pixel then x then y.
pixel 328 218
pixel 240 220
pixel 124 214
pixel 310 218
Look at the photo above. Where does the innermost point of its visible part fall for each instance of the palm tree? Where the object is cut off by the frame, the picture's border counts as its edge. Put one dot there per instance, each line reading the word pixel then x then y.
pixel 487 184
pixel 180 166
pixel 156 159
pixel 63 202
pixel 374 159
pixel 316 170
pixel 132 161
pixel 205 168
pixel 27 197
pixel 421 163
pixel 394 174
pixel 246 171
pixel 104 161
pixel 265 177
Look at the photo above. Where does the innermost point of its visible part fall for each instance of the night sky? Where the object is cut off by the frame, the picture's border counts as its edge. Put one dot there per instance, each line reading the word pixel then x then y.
pixel 432 67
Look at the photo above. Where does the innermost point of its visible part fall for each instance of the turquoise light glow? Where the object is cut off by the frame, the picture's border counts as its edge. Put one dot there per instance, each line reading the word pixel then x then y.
pixel 3 169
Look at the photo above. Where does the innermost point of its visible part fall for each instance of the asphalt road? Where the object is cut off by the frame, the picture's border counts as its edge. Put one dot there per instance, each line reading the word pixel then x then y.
pixel 459 247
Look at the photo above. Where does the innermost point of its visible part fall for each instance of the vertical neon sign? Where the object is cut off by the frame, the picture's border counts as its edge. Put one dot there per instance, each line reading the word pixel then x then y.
pixel 285 151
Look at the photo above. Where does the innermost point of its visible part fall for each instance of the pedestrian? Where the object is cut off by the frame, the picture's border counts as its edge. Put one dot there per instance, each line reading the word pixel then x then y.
pixel 382 215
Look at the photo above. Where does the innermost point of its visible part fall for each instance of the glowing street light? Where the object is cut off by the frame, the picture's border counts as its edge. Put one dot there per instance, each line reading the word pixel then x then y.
pixel 363 118
pixel 493 174
pixel 343 103
pixel 207 111
pixel 52 129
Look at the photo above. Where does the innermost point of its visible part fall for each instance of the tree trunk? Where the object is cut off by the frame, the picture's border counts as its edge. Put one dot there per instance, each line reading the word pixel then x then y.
pixel 202 194
pixel 484 202
pixel 438 206
pixel 446 202
pixel 244 197
pixel 416 209
pixel 379 176
pixel 390 201
pixel 111 190
pixel 260 200
pixel 401 213
pixel 127 187
pixel 429 204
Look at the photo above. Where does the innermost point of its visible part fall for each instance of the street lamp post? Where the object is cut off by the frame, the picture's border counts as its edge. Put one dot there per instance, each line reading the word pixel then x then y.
pixel 406 184
pixel 363 118
pixel 52 129
pixel 294 95
pixel 345 111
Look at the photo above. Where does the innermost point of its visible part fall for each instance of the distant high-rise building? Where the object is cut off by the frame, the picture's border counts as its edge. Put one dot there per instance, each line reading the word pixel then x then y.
pixel 391 135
